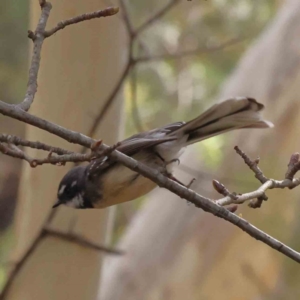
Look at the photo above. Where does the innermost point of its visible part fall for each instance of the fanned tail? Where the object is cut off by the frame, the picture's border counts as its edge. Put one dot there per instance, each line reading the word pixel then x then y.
pixel 228 115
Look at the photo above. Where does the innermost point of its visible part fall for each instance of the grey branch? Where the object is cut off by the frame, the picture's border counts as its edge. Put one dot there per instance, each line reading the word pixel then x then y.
pixel 110 11
pixel 258 196
pixel 199 201
pixel 12 139
pixel 15 112
pixel 38 39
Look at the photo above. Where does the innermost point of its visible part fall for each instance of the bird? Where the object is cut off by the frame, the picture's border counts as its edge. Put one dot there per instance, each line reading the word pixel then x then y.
pixel 105 182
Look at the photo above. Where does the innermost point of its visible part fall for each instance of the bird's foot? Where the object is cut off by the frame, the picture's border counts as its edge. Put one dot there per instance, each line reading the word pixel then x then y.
pixel 181 183
pixel 172 161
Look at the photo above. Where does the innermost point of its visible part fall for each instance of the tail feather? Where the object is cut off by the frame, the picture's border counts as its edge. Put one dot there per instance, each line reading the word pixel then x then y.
pixel 231 114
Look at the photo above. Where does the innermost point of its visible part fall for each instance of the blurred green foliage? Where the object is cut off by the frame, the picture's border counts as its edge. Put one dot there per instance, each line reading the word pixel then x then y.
pixel 13 49
pixel 184 86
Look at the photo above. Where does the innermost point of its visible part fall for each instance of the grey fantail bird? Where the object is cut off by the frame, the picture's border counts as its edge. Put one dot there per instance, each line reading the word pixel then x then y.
pixel 105 182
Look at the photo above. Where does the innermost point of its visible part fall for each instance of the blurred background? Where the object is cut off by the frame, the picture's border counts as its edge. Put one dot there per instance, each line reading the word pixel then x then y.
pixel 184 56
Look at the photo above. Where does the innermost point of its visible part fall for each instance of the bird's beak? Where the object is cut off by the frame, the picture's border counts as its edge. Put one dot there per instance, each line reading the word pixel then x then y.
pixel 57 203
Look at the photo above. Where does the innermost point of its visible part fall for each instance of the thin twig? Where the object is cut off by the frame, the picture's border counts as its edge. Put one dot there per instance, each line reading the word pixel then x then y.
pixel 109 101
pixel 74 238
pixel 293 166
pixel 126 19
pixel 252 164
pixel 130 63
pixel 110 11
pixel 19 265
pixel 259 194
pixel 18 141
pixel 156 16
pixel 42 3
pixel 16 153
pixel 36 56
pixel 13 151
pixel 47 231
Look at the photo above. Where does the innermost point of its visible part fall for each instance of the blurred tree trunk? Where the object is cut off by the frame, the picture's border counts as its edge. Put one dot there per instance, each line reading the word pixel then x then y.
pixel 9 177
pixel 175 251
pixel 79 68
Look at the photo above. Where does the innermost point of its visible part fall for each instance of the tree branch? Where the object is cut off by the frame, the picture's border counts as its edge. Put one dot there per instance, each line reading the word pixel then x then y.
pixel 104 109
pixel 156 16
pixel 38 39
pixel 47 231
pixel 74 238
pixel 126 19
pixel 161 180
pixel 12 139
pixel 267 183
pixel 110 11
pixel 15 112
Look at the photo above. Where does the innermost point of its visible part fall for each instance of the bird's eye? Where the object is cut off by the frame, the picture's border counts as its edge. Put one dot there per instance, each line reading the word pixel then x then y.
pixel 68 191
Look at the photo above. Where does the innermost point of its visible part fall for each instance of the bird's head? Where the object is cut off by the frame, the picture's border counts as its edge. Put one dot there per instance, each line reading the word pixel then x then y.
pixel 71 189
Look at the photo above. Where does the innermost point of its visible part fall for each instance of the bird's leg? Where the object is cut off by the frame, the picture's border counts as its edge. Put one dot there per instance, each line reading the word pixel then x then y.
pixel 181 183
pixel 167 162
pixel 172 160
pixel 169 175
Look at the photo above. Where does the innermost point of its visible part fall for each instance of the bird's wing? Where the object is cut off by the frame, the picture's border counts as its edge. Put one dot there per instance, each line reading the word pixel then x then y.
pixel 134 144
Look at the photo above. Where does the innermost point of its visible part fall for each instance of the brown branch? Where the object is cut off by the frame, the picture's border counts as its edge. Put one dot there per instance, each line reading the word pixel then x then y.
pixel 252 164
pixel 19 265
pixel 12 150
pixel 130 63
pixel 109 101
pixel 38 39
pixel 206 204
pixel 15 112
pixel 47 231
pixel 293 166
pixel 156 16
pixel 42 3
pixel 110 11
pixel 126 19
pixel 258 196
pixel 59 160
pixel 221 189
pixel 74 238
pixel 18 141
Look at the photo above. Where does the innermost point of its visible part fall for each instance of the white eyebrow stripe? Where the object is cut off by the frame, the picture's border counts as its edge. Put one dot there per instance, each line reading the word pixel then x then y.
pixel 74 183
pixel 60 192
